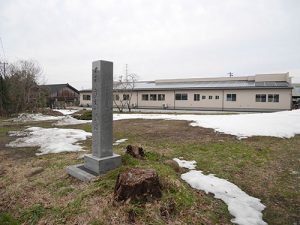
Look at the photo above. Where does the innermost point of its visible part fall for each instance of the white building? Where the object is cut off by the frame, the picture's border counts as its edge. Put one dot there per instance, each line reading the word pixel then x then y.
pixel 261 92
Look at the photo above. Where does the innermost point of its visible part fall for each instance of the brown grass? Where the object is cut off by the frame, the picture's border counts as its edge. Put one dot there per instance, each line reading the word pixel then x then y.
pixel 261 166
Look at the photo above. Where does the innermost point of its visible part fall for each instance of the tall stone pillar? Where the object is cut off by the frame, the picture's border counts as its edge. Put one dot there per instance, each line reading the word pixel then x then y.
pixel 102 158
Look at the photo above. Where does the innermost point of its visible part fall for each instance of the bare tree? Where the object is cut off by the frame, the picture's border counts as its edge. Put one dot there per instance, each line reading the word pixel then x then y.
pixel 3 89
pixel 23 91
pixel 123 91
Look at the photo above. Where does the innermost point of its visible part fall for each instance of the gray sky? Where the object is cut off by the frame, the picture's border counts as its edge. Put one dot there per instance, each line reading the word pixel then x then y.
pixel 157 39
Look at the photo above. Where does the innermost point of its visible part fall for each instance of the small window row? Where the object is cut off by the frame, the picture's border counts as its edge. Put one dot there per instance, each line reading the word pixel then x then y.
pixel 153 97
pixel 263 98
pixel 117 97
pixel 210 97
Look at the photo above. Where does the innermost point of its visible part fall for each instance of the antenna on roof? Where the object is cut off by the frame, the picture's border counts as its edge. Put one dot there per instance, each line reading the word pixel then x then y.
pixel 230 74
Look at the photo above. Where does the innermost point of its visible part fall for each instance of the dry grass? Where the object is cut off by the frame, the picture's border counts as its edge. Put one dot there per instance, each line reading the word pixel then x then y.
pixel 261 166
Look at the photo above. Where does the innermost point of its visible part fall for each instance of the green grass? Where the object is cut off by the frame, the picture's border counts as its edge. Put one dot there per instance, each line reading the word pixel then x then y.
pixel 8 219
pixel 260 166
pixel 33 214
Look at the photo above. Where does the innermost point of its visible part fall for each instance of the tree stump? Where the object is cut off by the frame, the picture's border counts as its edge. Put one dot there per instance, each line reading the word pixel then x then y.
pixel 137 184
pixel 136 152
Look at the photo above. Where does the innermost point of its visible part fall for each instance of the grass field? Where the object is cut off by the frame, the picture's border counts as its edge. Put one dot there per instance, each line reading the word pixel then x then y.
pixel 264 167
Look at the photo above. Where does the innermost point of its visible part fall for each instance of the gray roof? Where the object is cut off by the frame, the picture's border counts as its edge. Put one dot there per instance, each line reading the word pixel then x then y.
pixel 151 85
pixel 204 85
pixel 57 87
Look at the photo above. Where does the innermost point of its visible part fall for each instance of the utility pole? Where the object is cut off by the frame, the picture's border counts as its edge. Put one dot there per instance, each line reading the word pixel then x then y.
pixel 3 65
pixel 230 74
pixel 126 71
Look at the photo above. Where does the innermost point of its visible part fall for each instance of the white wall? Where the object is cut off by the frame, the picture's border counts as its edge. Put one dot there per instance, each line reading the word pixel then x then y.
pixel 245 100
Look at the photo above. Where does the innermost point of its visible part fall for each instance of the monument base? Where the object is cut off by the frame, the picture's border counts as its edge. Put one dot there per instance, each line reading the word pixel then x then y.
pixel 94 166
pixel 102 165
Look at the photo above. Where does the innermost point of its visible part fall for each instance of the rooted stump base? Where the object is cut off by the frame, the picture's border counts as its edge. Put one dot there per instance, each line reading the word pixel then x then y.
pixel 135 151
pixel 137 184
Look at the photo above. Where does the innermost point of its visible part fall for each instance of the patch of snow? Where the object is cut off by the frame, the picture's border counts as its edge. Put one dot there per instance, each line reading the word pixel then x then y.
pixel 246 209
pixel 117 142
pixel 61 120
pixel 20 133
pixel 69 120
pixel 81 156
pixel 66 111
pixel 51 140
pixel 284 124
pixel 186 164
pixel 26 117
pixel 294 172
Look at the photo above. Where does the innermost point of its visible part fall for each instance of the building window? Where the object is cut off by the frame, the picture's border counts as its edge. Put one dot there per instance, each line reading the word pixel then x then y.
pixel 161 97
pixel 86 97
pixel 210 97
pixel 273 98
pixel 145 97
pixel 125 97
pixel 116 97
pixel 260 98
pixel 196 97
pixel 203 97
pixel 153 97
pixel 181 96
pixel 231 97
pixel 217 97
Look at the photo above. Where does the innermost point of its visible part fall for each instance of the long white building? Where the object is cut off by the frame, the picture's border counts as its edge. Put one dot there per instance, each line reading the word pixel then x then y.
pixel 261 92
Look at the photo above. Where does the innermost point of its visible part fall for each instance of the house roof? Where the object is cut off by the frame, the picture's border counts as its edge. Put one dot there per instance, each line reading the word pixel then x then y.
pixel 259 81
pixel 211 85
pixel 56 87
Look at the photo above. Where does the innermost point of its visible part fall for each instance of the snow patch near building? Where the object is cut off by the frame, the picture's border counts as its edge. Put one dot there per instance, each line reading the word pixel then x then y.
pixel 66 111
pixel 26 117
pixel 246 209
pixel 69 120
pixel 284 124
pixel 51 140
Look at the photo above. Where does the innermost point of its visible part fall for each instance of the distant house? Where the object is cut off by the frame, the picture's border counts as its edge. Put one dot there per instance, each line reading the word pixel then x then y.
pixel 260 92
pixel 61 95
pixel 86 98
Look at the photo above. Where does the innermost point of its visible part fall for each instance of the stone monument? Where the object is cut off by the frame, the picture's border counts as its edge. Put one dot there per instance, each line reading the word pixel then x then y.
pixel 102 158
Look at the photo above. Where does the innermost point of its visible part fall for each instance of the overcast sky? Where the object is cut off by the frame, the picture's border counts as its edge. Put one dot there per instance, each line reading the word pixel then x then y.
pixel 157 39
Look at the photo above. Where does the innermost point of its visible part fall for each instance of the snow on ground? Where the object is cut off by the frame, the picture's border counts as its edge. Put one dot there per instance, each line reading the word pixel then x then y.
pixel 66 111
pixel 186 164
pixel 284 124
pixel 61 120
pixel 247 210
pixel 117 142
pixel 26 117
pixel 50 140
pixel 69 120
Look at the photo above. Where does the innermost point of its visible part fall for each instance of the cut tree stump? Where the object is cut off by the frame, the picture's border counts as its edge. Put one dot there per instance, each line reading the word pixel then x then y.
pixel 136 152
pixel 137 184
